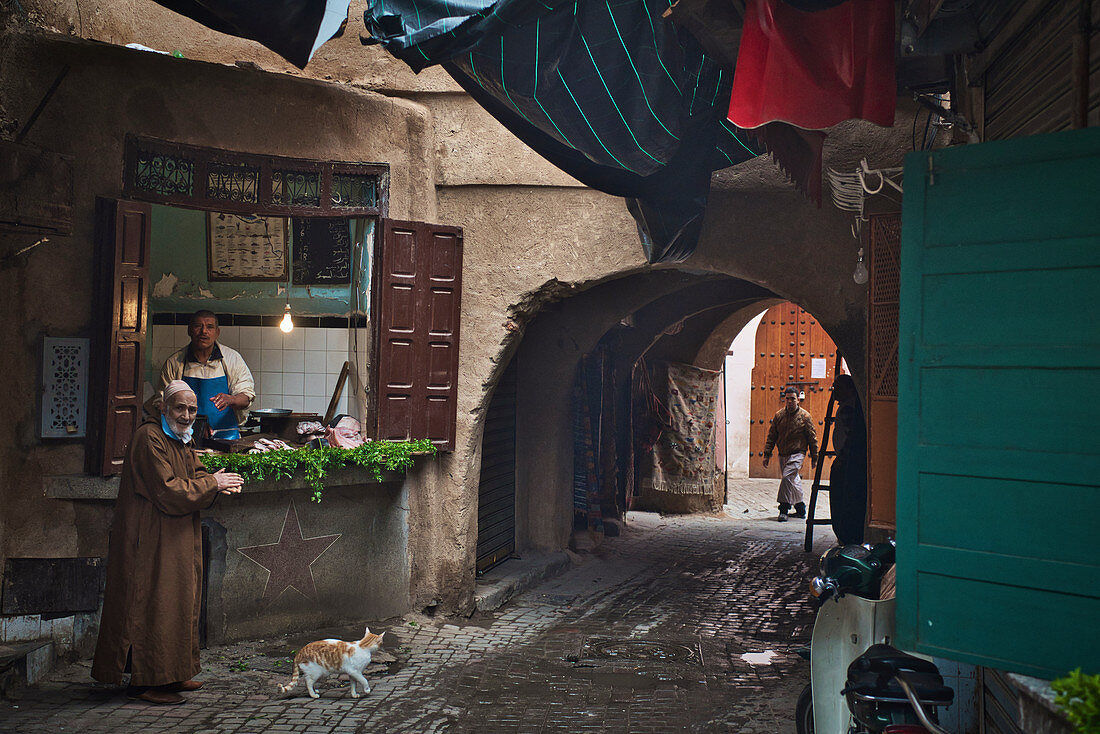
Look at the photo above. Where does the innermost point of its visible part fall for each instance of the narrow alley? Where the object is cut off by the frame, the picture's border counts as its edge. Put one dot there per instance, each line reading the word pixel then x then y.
pixel 686 623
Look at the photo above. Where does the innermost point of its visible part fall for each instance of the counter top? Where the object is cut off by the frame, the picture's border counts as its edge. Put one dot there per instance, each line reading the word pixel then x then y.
pixel 86 487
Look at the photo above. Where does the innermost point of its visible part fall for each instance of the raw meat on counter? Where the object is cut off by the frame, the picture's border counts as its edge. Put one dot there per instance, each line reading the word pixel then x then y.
pixel 269 444
pixel 345 433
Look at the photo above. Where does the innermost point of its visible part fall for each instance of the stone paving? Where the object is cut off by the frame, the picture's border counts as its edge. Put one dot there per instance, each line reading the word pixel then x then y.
pixel 647 633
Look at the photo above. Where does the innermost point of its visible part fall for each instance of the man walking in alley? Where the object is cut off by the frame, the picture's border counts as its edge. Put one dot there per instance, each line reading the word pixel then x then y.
pixel 792 433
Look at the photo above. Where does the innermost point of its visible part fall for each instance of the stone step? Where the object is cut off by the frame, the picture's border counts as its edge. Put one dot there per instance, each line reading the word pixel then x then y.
pixel 25 663
pixel 516 575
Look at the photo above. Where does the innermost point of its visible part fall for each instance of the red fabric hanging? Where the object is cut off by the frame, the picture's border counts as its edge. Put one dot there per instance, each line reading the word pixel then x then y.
pixel 815 69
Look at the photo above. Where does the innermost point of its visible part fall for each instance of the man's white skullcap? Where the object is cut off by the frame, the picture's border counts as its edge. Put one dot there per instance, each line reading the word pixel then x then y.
pixel 174 387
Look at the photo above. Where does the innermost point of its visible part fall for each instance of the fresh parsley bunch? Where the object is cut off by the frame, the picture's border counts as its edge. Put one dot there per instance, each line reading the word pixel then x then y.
pixel 1079 696
pixel 315 464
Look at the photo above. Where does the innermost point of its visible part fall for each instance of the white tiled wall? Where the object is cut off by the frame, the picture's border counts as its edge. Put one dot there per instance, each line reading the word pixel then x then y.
pixel 296 370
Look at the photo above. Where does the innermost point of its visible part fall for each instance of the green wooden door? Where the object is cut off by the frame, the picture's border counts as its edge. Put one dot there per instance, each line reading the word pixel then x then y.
pixel 999 404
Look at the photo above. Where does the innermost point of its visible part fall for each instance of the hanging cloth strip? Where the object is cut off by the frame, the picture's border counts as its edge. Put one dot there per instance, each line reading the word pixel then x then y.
pixel 815 69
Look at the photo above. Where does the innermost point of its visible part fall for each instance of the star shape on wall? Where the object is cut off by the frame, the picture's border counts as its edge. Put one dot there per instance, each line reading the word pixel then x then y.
pixel 288 561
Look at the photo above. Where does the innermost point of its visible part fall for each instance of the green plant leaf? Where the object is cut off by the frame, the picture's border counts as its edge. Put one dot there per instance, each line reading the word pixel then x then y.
pixel 315 464
pixel 1079 696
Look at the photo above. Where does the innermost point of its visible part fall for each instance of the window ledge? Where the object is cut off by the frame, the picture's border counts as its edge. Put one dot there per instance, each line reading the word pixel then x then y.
pixel 84 487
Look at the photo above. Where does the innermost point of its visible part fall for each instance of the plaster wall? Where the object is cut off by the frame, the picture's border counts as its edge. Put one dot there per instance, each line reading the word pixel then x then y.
pixel 360 574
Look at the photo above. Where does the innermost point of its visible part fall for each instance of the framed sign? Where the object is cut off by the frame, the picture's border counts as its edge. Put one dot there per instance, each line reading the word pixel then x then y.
pixel 246 247
pixel 322 251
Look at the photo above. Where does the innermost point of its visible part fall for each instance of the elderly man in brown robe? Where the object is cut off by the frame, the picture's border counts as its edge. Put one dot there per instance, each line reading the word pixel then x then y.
pixel 150 623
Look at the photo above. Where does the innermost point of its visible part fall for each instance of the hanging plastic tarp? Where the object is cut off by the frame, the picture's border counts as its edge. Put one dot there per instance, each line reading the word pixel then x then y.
pixel 294 29
pixel 610 92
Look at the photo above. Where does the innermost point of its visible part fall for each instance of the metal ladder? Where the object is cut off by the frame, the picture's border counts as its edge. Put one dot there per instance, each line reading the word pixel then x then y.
pixel 818 485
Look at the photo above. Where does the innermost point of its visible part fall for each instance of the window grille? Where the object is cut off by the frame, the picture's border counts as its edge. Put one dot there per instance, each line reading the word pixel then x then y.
pixel 227 181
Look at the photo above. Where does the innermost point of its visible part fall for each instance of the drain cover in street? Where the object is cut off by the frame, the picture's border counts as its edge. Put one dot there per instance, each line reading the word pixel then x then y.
pixel 654 651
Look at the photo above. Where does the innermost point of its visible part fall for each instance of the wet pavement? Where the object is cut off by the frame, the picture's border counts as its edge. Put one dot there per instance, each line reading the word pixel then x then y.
pixel 679 624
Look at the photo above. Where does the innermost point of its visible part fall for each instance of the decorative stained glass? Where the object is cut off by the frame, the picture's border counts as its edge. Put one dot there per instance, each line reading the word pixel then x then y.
pixel 301 188
pixel 164 174
pixel 229 181
pixel 232 181
pixel 354 191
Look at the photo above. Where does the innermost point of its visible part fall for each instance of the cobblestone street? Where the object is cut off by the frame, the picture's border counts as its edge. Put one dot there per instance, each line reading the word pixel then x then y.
pixel 678 624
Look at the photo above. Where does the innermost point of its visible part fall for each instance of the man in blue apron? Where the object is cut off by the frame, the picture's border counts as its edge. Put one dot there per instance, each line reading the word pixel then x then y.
pixel 221 380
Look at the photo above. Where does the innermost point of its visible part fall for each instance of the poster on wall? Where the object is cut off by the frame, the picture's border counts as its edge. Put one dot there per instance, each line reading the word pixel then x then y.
pixel 246 247
pixel 322 251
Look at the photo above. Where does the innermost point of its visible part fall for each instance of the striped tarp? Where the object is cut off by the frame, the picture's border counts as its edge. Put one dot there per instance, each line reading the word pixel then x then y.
pixel 608 90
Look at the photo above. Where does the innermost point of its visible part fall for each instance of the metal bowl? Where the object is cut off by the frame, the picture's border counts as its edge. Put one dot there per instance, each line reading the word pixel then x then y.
pixel 271 412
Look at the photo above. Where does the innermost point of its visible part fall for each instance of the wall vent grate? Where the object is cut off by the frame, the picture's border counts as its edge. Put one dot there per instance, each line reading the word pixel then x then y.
pixel 64 387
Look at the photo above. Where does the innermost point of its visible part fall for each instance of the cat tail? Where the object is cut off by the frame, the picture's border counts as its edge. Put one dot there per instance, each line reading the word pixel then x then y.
pixel 293 682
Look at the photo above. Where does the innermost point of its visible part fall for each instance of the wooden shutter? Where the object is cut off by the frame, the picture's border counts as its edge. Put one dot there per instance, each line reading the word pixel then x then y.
pixel 882 364
pixel 417 300
pixel 122 244
pixel 997 452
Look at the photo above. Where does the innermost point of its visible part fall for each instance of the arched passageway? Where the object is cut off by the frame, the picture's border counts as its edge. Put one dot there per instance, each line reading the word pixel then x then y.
pixel 604 332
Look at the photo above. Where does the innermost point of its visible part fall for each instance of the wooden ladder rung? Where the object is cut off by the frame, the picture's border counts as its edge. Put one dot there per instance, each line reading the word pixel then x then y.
pixel 818 484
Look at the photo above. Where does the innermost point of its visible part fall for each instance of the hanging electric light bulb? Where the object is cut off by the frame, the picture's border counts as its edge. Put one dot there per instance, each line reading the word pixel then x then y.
pixel 287 324
pixel 860 275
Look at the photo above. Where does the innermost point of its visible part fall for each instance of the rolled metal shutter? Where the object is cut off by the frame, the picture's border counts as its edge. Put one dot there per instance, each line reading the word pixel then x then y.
pixel 1029 86
pixel 496 509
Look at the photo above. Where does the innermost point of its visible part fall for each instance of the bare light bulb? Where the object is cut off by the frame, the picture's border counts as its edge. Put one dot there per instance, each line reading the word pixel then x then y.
pixel 860 275
pixel 287 324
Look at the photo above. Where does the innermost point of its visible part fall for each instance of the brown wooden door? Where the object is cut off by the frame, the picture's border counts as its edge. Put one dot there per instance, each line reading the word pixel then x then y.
pixel 417 300
pixel 122 242
pixel 787 341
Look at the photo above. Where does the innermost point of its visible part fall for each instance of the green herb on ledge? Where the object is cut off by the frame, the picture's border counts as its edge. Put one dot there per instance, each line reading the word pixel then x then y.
pixel 315 464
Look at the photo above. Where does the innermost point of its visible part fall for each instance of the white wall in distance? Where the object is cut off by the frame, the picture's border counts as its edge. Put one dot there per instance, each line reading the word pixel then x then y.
pixel 738 380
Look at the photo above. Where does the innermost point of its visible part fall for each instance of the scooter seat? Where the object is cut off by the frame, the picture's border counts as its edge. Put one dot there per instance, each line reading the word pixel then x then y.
pixel 872 676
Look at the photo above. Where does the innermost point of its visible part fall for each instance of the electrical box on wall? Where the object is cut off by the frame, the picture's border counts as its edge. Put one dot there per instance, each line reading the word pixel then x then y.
pixel 64 410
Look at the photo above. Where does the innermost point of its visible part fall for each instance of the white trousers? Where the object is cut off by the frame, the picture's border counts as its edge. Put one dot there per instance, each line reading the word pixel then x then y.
pixel 790 486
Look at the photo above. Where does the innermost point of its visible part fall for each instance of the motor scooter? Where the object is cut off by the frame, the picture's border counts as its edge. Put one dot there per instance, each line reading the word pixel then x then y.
pixel 858 684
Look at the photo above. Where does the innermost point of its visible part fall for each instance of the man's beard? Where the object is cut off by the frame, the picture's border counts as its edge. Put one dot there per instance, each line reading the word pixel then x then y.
pixel 182 429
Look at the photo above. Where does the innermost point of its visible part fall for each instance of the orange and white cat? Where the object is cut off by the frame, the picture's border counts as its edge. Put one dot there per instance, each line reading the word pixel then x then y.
pixel 320 659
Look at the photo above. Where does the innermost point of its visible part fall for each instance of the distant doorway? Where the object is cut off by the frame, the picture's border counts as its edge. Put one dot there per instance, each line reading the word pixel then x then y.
pixel 791 349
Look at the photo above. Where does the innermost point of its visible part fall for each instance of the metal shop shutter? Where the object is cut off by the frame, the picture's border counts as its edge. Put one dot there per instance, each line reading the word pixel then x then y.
pixel 496 494
pixel 998 458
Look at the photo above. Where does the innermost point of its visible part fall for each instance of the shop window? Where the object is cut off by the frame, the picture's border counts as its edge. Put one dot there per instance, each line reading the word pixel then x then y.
pixel 406 383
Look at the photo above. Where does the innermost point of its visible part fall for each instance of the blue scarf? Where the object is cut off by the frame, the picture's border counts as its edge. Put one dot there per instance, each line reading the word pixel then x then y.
pixel 184 437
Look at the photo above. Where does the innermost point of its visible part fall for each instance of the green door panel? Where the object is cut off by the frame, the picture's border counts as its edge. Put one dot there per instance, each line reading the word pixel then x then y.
pixel 998 498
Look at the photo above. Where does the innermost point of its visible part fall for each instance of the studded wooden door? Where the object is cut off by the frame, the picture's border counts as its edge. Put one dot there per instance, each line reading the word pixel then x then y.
pixel 787 341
